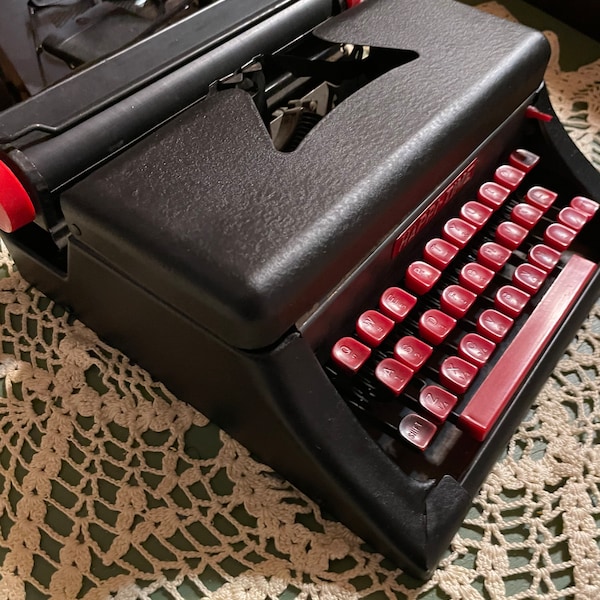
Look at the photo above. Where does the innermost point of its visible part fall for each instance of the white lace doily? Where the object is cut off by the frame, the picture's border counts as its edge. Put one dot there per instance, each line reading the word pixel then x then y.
pixel 112 488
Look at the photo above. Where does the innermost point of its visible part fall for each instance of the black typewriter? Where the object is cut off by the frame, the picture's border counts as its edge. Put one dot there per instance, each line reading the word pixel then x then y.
pixel 362 226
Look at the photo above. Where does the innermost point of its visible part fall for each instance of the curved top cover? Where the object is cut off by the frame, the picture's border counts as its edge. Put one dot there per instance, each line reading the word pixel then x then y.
pixel 243 239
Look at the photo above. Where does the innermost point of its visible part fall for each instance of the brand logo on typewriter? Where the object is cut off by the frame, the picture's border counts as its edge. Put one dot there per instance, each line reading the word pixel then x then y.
pixel 450 191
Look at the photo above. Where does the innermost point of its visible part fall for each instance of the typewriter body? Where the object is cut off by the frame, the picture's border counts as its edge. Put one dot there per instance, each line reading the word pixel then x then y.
pixel 355 239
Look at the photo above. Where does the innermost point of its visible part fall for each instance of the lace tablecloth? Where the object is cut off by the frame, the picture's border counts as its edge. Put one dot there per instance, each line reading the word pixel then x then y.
pixel 112 488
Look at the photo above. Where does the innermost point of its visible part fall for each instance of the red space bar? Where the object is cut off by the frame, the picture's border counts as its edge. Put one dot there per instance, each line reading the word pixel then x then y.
pixel 523 352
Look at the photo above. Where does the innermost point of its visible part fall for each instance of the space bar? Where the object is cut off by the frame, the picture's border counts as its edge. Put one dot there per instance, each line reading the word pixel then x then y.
pixel 492 396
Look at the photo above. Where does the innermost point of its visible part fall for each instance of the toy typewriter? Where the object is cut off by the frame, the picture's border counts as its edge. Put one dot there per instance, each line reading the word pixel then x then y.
pixel 355 237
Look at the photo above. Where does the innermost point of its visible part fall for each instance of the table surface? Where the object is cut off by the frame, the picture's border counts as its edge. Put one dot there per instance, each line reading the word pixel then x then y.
pixel 112 488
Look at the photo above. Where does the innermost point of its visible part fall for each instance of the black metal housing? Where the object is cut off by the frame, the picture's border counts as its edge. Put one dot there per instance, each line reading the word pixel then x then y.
pixel 201 249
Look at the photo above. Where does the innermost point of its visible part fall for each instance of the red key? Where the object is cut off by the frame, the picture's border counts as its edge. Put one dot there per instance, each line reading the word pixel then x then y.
pixel 439 252
pixel 475 277
pixel 476 349
pixel 511 300
pixel 457 374
pixel 558 236
pixel 421 277
pixel 393 374
pixel 456 300
pixel 476 213
pixel 493 325
pixel 372 327
pixel 541 197
pixel 412 351
pixel 396 303
pixel 458 232
pixel 437 401
pixel 434 325
pixel 529 278
pixel 350 354
pixel 417 430
pixel 508 176
pixel 510 235
pixel 585 205
pixel 525 215
pixel 572 218
pixel 492 194
pixel 493 255
pixel 523 159
pixel 544 257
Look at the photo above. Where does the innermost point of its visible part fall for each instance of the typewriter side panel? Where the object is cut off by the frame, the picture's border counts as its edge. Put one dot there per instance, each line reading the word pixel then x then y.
pixel 278 403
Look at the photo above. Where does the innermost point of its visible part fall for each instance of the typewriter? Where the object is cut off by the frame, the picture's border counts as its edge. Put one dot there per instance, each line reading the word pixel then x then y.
pixel 361 223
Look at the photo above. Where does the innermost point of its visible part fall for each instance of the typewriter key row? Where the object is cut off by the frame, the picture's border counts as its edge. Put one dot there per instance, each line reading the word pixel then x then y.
pixel 492 278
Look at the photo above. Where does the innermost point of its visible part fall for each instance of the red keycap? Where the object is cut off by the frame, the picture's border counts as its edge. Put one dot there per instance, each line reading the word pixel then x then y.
pixel 421 277
pixel 476 213
pixel 393 374
pixel 417 430
pixel 544 257
pixel 492 194
pixel 510 235
pixel 412 351
pixel 437 401
pixel 525 215
pixel 585 205
pixel 523 159
pixel 511 300
pixel 456 300
pixel 434 326
pixel 476 349
pixel 350 354
pixel 541 197
pixel 508 176
pixel 457 374
pixel 439 252
pixel 372 327
pixel 572 218
pixel 529 278
pixel 493 325
pixel 493 255
pixel 458 232
pixel 475 277
pixel 396 303
pixel 558 236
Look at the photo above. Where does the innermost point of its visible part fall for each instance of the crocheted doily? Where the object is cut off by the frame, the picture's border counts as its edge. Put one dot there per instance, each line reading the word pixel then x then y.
pixel 112 488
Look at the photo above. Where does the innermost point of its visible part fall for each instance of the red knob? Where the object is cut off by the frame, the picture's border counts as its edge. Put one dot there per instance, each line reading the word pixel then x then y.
pixel 16 208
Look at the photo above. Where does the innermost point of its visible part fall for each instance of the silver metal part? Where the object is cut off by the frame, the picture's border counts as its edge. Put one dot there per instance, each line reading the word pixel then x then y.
pixel 318 101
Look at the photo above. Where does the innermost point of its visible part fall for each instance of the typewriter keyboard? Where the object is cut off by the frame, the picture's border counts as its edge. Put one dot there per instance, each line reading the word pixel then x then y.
pixel 459 331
